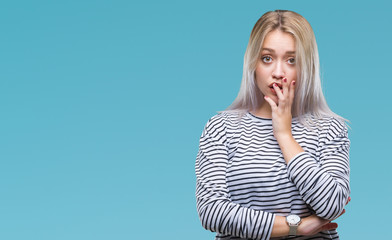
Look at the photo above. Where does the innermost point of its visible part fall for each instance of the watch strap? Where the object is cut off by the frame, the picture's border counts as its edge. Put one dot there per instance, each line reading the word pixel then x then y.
pixel 293 221
pixel 293 230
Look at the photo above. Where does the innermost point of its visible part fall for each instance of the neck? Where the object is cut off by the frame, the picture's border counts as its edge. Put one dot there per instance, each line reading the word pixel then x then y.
pixel 264 111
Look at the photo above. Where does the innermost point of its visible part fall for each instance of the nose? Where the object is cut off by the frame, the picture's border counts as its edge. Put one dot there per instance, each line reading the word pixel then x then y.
pixel 278 72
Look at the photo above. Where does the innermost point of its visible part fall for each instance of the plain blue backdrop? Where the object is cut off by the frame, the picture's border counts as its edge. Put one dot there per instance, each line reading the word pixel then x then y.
pixel 103 102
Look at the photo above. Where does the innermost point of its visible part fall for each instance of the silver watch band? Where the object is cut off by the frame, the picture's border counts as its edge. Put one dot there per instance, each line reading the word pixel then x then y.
pixel 293 230
pixel 293 221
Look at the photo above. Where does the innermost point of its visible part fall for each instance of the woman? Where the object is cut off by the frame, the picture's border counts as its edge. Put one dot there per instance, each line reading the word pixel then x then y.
pixel 276 163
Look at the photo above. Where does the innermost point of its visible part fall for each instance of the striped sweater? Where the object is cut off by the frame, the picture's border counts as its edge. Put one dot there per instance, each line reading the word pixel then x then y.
pixel 243 182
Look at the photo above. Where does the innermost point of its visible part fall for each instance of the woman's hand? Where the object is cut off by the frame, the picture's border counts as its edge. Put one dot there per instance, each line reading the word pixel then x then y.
pixel 281 112
pixel 313 224
pixel 281 120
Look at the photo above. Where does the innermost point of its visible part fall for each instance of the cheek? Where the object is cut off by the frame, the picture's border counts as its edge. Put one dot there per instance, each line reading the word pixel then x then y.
pixel 292 73
pixel 260 82
pixel 261 75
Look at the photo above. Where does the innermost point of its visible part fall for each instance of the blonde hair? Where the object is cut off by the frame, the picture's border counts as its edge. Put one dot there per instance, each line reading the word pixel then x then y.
pixel 309 98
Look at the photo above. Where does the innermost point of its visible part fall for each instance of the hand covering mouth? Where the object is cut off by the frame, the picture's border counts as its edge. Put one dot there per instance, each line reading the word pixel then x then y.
pixel 272 85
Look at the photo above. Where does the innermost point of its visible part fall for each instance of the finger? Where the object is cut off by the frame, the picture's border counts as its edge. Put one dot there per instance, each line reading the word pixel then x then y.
pixel 292 91
pixel 325 227
pixel 271 102
pixel 285 87
pixel 278 91
pixel 329 226
pixel 348 200
pixel 343 212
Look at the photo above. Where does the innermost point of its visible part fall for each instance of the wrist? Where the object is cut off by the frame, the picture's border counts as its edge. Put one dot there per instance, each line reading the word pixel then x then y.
pixel 311 225
pixel 280 227
pixel 289 146
pixel 293 222
pixel 284 136
pixel 285 139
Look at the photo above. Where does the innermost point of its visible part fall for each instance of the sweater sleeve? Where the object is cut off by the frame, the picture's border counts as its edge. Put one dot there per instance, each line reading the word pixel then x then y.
pixel 216 211
pixel 323 182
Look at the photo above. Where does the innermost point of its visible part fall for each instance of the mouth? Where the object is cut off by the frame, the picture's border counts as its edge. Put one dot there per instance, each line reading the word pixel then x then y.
pixel 272 87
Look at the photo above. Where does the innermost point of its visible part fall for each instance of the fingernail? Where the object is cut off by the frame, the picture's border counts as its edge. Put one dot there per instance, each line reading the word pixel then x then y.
pixel 284 79
pixel 293 82
pixel 275 84
pixel 265 96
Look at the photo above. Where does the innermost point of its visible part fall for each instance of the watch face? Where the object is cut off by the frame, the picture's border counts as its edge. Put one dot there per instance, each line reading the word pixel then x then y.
pixel 293 219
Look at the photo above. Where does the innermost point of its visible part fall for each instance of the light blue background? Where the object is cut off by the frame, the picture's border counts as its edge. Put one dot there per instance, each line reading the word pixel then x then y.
pixel 102 104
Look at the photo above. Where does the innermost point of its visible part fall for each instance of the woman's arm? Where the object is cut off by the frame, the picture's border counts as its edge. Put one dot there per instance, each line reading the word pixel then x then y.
pixel 323 182
pixel 309 226
pixel 216 211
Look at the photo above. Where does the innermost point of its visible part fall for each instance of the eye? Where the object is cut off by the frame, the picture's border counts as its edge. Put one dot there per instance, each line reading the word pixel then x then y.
pixel 266 59
pixel 291 61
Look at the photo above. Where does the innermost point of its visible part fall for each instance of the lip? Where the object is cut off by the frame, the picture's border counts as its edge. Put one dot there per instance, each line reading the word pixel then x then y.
pixel 279 85
pixel 272 87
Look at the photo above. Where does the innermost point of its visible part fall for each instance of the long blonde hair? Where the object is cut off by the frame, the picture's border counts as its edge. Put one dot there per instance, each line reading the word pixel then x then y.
pixel 309 98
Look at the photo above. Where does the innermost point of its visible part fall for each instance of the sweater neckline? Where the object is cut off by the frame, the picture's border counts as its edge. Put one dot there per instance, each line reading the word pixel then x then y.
pixel 259 118
pixel 268 120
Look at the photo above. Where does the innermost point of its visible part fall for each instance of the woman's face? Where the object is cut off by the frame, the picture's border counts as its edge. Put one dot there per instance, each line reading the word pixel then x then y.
pixel 277 61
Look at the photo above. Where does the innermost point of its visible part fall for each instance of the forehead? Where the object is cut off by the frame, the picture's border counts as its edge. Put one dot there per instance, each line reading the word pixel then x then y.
pixel 279 41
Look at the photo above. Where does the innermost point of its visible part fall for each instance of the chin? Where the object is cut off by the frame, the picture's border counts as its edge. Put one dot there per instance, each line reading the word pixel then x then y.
pixel 275 99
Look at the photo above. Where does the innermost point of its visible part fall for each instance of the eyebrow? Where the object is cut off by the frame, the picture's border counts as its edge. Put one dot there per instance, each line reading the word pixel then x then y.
pixel 272 50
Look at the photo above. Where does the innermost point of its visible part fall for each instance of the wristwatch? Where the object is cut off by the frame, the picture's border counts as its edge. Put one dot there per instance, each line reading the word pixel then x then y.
pixel 293 221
